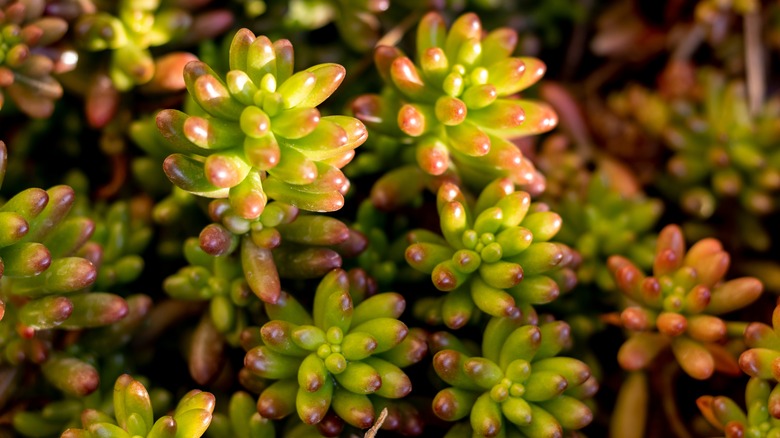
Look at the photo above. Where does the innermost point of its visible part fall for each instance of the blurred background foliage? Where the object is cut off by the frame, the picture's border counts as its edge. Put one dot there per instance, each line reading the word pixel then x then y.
pixel 603 174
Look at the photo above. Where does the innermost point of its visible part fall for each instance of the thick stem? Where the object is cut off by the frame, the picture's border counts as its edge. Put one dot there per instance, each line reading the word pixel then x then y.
pixel 668 376
pixel 754 60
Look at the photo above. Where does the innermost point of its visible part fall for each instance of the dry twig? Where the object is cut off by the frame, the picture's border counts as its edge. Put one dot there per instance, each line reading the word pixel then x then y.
pixel 371 433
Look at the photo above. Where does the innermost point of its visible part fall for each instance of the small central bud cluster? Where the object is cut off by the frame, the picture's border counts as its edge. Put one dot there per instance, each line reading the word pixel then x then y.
pixel 674 301
pixel 512 385
pixel 505 389
pixel 266 97
pixel 485 244
pixel 675 288
pixel 267 102
pixel 330 352
pixel 459 79
pixel 762 428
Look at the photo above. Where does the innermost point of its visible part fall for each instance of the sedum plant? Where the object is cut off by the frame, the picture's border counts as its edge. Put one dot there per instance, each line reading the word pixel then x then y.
pixel 456 104
pixel 760 420
pixel 744 167
pixel 122 232
pixel 383 257
pixel 564 169
pixel 601 221
pixel 679 306
pixel 494 255
pixel 66 413
pixel 115 42
pixel 128 32
pixel 343 356
pixel 279 243
pixel 518 386
pixel 721 152
pixel 46 271
pixel 218 280
pixel 26 64
pixel 263 137
pixel 133 415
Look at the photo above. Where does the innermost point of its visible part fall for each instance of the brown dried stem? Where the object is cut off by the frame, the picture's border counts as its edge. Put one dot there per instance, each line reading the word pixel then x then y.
pixel 754 60
pixel 371 433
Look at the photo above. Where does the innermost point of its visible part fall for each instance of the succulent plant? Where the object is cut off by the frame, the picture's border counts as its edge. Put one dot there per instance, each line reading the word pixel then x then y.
pixel 172 204
pixel 629 418
pixel 114 40
pixel 168 215
pixel 495 255
pixel 519 385
pixel 383 257
pixel 26 63
pixel 312 242
pixel 760 420
pixel 128 32
pixel 280 243
pixel 456 105
pixel 44 280
pixel 84 372
pixel 679 305
pixel 122 232
pixel 218 280
pixel 721 152
pixel 340 357
pixel 133 415
pixel 761 360
pixel 264 137
pixel 65 413
pixel 241 420
pixel 601 221
pixel 147 168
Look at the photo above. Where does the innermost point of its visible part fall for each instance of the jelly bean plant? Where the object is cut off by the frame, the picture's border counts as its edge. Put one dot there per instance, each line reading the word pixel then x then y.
pixel 379 218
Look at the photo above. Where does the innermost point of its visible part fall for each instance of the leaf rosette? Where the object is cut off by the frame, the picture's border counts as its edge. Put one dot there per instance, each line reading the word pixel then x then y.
pixel 263 136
